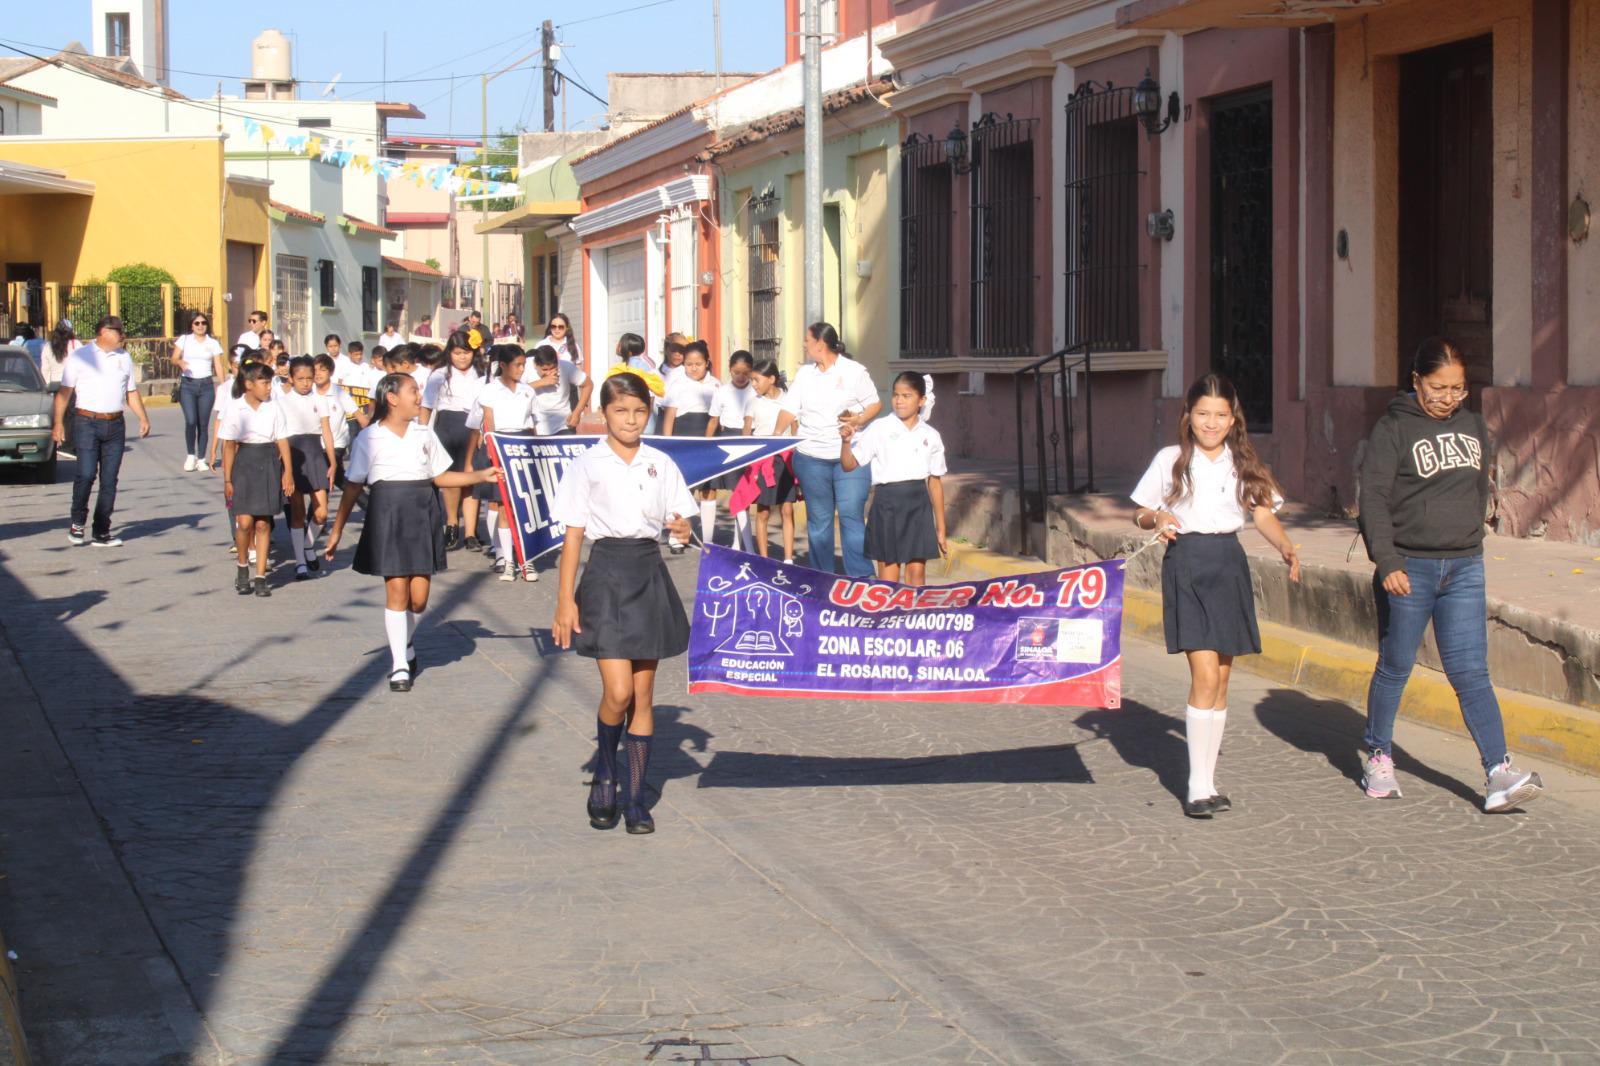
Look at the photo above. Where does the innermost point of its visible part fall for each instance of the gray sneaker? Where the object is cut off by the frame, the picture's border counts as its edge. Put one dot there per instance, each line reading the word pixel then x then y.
pixel 1509 787
pixel 1379 780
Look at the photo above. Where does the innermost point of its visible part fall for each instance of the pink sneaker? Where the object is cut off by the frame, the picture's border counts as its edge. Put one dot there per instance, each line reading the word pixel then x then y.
pixel 1379 778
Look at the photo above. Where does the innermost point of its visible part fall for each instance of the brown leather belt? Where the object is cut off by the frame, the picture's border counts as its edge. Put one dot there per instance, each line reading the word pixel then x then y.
pixel 98 416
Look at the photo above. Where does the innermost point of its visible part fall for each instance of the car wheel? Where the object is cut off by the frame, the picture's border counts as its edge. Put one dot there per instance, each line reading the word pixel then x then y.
pixel 46 473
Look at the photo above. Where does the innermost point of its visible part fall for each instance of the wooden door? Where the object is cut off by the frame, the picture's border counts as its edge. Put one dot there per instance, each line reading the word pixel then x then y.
pixel 1446 210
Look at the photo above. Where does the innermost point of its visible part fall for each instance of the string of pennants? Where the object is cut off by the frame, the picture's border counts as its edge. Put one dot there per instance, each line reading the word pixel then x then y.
pixel 461 180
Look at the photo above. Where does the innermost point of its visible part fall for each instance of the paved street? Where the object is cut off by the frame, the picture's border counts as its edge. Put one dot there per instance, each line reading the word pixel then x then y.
pixel 222 840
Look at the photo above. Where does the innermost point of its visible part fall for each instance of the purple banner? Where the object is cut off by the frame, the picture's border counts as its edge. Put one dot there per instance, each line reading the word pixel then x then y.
pixel 764 629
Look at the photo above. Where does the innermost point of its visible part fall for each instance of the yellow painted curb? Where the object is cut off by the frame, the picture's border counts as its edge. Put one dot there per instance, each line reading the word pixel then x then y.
pixel 1534 725
pixel 11 1014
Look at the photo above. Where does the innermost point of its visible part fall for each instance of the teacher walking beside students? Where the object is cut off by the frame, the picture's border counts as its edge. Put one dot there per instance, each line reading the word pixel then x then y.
pixel 97 383
pixel 830 390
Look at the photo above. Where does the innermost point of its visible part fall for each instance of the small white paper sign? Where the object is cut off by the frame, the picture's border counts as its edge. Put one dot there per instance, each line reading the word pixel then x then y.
pixel 1078 640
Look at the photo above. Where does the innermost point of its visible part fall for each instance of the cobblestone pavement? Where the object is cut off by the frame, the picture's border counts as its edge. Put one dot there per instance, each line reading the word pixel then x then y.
pixel 224 841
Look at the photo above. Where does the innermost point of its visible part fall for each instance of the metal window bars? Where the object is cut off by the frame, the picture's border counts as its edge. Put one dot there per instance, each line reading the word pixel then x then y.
pixel 764 220
pixel 1004 213
pixel 927 216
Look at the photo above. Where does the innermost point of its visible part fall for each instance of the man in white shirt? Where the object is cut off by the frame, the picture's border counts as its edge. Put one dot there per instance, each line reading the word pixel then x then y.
pixel 390 337
pixel 251 337
pixel 98 380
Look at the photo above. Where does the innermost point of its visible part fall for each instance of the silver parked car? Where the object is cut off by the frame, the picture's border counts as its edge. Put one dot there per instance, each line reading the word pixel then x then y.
pixel 26 410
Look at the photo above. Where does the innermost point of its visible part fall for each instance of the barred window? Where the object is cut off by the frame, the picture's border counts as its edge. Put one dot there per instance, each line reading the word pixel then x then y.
pixel 926 217
pixel 1004 210
pixel 325 279
pixel 369 299
pixel 763 264
pixel 1103 228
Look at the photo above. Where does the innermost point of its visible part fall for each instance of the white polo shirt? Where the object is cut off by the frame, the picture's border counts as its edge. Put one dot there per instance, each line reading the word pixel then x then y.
pixel 101 379
pixel 249 338
pixel 1212 505
pixel 303 415
pixel 339 408
pixel 607 497
pixel 764 413
pixel 687 396
pixel 896 453
pixel 449 389
pixel 731 404
pixel 821 396
pixel 245 424
pixel 513 408
pixel 552 404
pixel 380 455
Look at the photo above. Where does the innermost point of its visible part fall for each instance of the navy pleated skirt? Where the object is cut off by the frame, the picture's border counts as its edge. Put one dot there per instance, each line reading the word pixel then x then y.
pixel 1207 603
pixel 402 534
pixel 451 429
pixel 257 480
pixel 308 462
pixel 900 524
pixel 627 605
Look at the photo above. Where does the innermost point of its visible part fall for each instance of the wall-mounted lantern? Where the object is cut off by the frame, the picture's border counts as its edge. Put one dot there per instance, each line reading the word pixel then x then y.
pixel 1147 105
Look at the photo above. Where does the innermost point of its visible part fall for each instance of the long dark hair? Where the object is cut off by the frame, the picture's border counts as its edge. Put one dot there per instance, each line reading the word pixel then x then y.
pixel 59 338
pixel 822 331
pixel 384 393
pixel 504 354
pixel 1256 483
pixel 769 368
pixel 572 338
pixel 629 346
pixel 253 369
pixel 479 365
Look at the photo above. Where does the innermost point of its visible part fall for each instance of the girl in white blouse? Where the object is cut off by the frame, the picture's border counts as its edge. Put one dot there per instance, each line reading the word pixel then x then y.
pixel 686 412
pixel 504 406
pixel 625 613
pixel 255 470
pixel 401 465
pixel 772 414
pixel 1197 495
pixel 728 409
pixel 448 398
pixel 906 454
pixel 308 418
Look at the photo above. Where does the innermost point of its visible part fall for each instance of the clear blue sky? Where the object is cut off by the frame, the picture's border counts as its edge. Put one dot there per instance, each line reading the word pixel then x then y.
pixel 435 40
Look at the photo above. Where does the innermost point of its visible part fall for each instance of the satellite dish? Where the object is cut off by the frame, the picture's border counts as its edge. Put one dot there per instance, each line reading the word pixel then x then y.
pixel 327 90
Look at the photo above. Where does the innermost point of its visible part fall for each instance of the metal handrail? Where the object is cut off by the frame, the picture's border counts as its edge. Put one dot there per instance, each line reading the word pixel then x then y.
pixel 1065 365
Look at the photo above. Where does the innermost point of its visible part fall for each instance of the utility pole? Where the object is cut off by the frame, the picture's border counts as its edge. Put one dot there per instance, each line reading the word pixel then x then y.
pixel 547 39
pixel 811 80
pixel 483 152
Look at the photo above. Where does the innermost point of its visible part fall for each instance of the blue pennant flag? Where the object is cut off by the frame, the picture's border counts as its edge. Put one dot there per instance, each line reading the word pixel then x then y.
pixel 533 467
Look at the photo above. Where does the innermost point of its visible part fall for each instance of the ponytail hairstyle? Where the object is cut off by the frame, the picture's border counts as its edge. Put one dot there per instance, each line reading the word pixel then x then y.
pixel 913 381
pixel 572 338
pixel 1434 353
pixel 254 368
pixel 625 384
pixel 769 368
pixel 629 346
pixel 741 356
pixel 60 337
pixel 822 331
pixel 383 395
pixel 1256 483
pixel 504 354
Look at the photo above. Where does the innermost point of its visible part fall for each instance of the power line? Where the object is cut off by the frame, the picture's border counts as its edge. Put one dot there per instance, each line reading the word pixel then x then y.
pixel 609 14
pixel 585 89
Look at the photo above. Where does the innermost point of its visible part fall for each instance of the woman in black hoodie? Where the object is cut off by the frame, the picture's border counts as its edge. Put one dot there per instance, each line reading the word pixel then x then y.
pixel 1424 495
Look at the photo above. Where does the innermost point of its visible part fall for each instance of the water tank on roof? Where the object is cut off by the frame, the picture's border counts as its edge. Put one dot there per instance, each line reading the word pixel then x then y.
pixel 269 57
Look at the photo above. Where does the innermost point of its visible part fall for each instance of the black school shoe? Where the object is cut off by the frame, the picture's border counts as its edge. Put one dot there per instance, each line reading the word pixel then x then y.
pixel 1201 808
pixel 241 581
pixel 452 538
pixel 602 815
pixel 400 681
pixel 473 544
pixel 1221 803
pixel 259 587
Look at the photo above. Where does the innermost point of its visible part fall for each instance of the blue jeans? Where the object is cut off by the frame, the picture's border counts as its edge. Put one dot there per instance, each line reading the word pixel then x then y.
pixel 828 488
pixel 99 447
pixel 1449 593
pixel 196 396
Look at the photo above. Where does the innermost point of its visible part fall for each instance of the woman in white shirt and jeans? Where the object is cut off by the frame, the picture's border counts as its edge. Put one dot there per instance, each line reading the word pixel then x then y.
pixel 195 355
pixel 832 389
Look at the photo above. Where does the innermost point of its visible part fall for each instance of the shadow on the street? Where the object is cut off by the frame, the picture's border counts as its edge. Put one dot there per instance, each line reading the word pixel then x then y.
pixel 1146 738
pixel 1047 764
pixel 1334 730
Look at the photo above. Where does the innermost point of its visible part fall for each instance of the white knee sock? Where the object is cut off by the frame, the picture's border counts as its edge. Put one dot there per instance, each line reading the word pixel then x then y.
pixel 411 631
pixel 297 537
pixel 503 542
pixel 398 630
pixel 1197 734
pixel 1219 719
pixel 312 529
pixel 744 537
pixel 493 520
pixel 708 519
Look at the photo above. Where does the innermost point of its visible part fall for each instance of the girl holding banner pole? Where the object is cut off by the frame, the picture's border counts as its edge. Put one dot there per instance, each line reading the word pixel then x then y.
pixel 1196 495
pixel 906 526
pixel 686 412
pixel 504 406
pixel 728 409
pixel 402 465
pixel 447 399
pixel 619 495
pixel 771 414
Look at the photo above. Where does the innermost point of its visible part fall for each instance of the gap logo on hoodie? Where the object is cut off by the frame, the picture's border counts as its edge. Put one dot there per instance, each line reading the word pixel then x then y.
pixel 1446 451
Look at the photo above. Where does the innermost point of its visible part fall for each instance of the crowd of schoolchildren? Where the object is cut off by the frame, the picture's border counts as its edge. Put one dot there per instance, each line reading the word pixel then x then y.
pixel 402 422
